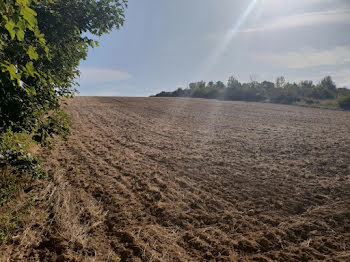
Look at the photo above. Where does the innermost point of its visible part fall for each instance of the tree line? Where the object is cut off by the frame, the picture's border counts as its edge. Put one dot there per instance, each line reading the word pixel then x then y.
pixel 281 92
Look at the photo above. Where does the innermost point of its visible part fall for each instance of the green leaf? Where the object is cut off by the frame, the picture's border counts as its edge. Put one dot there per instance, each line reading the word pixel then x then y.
pixel 20 35
pixel 30 68
pixel 10 28
pixel 33 55
pixel 23 2
pixel 37 32
pixel 13 71
pixel 29 15
pixel 31 91
pixel 21 25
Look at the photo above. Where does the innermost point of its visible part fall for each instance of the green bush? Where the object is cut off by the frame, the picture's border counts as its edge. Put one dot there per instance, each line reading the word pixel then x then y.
pixel 17 165
pixel 285 98
pixel 41 45
pixel 309 101
pixel 344 103
pixel 57 123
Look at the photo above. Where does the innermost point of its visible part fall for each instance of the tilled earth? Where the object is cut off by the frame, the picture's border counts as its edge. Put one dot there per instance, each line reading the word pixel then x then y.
pixel 204 180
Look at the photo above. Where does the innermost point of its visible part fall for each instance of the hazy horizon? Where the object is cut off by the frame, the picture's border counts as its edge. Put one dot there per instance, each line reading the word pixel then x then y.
pixel 165 45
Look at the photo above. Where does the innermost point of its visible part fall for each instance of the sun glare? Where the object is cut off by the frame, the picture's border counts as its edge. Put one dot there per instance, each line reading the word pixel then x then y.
pixel 223 45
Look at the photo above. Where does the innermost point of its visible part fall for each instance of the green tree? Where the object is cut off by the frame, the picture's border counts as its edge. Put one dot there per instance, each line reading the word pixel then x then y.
pixel 40 54
pixel 306 84
pixel 233 83
pixel 267 85
pixel 220 85
pixel 280 81
pixel 41 45
pixel 327 83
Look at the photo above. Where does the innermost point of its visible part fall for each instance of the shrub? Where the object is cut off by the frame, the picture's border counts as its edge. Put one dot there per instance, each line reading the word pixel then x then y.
pixel 309 101
pixel 17 165
pixel 285 99
pixel 344 103
pixel 56 124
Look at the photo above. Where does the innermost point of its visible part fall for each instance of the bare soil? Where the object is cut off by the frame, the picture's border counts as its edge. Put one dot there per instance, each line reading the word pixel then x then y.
pixel 164 179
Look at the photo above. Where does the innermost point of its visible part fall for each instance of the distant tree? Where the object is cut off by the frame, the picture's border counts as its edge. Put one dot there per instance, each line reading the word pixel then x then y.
pixel 328 84
pixel 220 84
pixel 267 85
pixel 201 85
pixel 253 82
pixel 280 81
pixel 178 92
pixel 291 86
pixel 233 83
pixel 192 85
pixel 211 84
pixel 306 84
pixel 305 89
pixel 282 92
pixel 322 93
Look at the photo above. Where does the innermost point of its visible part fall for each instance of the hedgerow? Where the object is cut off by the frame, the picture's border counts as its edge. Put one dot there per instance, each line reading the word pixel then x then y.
pixel 41 45
pixel 344 103
pixel 281 92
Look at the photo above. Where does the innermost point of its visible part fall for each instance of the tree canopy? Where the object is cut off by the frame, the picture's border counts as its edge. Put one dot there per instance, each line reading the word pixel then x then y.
pixel 41 45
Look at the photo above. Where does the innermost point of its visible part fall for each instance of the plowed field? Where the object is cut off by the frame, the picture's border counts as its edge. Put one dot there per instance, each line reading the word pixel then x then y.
pixel 204 180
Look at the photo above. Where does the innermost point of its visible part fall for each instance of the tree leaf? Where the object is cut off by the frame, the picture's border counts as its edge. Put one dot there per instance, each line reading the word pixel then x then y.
pixel 13 71
pixel 20 35
pixel 29 15
pixel 33 55
pixel 10 28
pixel 30 68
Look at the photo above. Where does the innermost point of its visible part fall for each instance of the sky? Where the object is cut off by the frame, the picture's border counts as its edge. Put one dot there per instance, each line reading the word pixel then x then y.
pixel 167 44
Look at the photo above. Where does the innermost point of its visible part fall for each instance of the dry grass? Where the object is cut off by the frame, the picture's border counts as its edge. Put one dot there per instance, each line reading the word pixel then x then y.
pixel 54 216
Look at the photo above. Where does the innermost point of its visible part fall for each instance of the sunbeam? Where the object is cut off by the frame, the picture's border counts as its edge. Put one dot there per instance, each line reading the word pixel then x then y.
pixel 219 50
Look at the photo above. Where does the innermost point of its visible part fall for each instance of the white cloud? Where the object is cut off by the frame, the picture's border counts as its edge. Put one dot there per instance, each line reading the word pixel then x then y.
pixel 97 75
pixel 309 57
pixel 336 16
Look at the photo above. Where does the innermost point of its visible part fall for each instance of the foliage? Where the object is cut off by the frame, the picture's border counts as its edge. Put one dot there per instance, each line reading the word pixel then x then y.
pixel 56 124
pixel 8 224
pixel 280 81
pixel 19 35
pixel 39 68
pixel 20 162
pixel 13 218
pixel 344 103
pixel 41 45
pixel 16 163
pixel 281 92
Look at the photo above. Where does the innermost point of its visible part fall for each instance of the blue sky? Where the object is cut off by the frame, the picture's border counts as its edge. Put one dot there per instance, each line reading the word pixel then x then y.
pixel 167 44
